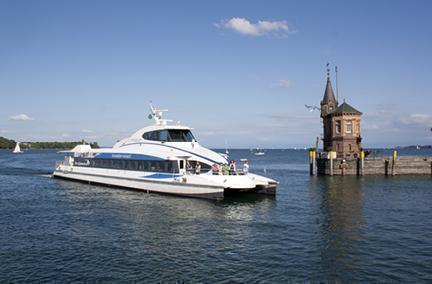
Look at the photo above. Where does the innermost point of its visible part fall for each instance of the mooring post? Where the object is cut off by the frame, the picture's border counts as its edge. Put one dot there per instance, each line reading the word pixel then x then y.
pixel 394 162
pixel 312 162
pixel 362 157
pixel 331 162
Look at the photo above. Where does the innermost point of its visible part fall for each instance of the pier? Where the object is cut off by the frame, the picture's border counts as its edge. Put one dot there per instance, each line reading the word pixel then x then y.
pixel 325 164
pixel 342 152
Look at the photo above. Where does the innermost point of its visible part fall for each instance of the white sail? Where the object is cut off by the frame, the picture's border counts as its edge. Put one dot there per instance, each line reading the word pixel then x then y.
pixel 17 148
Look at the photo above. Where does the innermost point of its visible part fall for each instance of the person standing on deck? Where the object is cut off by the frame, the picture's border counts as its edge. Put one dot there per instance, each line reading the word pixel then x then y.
pixel 197 168
pixel 225 169
pixel 232 168
pixel 245 166
pixel 216 170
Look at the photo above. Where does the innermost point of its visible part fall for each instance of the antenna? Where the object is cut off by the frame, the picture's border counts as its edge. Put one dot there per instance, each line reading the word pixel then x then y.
pixel 157 114
pixel 337 84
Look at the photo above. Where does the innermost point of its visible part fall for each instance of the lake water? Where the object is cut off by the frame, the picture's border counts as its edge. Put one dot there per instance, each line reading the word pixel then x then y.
pixel 331 229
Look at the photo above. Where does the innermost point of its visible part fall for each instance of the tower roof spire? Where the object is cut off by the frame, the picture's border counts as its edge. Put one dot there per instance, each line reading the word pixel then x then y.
pixel 328 103
pixel 328 93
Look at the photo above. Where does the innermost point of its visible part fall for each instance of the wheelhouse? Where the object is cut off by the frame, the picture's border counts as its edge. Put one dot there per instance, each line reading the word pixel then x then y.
pixel 170 135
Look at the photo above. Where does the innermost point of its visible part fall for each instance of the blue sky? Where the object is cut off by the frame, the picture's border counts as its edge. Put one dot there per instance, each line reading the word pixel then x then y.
pixel 236 71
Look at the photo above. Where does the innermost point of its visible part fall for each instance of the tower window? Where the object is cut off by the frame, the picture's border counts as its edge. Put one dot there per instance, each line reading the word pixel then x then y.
pixel 338 126
pixel 349 126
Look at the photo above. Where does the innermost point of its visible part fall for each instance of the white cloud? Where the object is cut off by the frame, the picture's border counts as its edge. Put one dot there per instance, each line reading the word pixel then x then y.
pixel 396 122
pixel 23 117
pixel 92 137
pixel 417 118
pixel 284 84
pixel 87 131
pixel 261 28
pixel 65 135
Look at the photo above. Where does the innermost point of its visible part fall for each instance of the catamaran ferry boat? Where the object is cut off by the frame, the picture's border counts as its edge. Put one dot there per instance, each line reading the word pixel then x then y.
pixel 162 158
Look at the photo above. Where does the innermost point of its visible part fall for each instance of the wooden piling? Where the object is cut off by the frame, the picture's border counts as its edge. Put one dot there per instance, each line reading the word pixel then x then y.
pixel 312 163
pixel 362 156
pixel 394 163
pixel 331 162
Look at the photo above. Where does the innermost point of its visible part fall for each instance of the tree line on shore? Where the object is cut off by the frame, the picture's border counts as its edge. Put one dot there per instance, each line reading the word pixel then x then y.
pixel 10 144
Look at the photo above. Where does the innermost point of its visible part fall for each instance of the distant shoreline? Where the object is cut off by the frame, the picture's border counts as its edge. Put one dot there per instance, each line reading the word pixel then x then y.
pixel 6 143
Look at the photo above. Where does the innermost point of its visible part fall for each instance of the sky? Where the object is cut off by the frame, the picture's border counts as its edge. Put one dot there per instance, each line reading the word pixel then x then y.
pixel 238 72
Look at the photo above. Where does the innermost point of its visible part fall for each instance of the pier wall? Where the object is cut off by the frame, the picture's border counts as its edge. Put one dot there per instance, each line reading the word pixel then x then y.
pixel 403 165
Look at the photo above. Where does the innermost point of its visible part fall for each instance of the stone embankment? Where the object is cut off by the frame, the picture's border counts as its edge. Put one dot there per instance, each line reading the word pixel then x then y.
pixel 402 165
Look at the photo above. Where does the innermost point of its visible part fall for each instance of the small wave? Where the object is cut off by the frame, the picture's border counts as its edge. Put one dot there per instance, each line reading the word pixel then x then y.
pixel 22 171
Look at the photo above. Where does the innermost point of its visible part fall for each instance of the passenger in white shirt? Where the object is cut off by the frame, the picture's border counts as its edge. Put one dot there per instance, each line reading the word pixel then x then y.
pixel 245 166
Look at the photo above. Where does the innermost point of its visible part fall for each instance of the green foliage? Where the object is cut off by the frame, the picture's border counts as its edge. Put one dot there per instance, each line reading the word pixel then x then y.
pixel 10 144
pixel 6 143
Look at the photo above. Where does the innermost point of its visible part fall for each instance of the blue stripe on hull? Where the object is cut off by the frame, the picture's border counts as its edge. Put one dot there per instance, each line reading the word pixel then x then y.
pixel 126 156
pixel 162 176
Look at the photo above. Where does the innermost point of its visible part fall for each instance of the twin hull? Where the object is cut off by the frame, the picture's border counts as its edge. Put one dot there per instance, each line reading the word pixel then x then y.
pixel 202 186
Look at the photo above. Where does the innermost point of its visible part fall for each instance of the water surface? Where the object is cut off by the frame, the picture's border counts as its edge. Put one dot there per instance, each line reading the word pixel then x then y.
pixel 332 229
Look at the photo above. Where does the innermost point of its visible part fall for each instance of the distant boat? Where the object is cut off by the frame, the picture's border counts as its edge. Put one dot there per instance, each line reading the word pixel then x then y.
pixel 258 152
pixel 418 147
pixel 17 149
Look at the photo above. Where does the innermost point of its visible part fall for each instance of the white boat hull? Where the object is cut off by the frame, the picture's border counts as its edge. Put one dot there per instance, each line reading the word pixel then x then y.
pixel 200 186
pixel 148 186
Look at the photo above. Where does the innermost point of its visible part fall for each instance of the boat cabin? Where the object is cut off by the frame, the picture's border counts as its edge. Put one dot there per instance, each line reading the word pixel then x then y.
pixel 170 135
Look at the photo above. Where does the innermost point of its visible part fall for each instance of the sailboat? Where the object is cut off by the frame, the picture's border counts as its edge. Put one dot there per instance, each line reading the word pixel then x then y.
pixel 17 149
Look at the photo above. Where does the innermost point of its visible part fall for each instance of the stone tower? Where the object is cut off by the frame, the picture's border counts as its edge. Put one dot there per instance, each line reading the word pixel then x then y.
pixel 341 125
pixel 329 103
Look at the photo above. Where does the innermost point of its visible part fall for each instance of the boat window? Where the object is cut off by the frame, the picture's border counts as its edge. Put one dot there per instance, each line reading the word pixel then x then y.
pixel 169 167
pixel 204 167
pixel 163 135
pixel 171 135
pixel 152 135
pixel 131 165
pixel 180 135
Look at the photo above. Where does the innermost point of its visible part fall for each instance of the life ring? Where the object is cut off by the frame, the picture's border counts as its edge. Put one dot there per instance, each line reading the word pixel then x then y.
pixel 343 166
